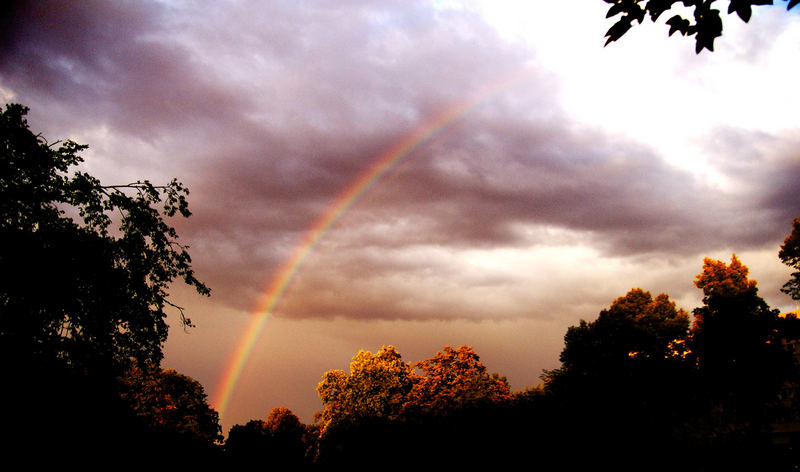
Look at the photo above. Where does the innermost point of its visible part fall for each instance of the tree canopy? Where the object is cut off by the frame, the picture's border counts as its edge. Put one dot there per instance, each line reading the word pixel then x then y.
pixel 85 273
pixel 377 386
pixel 85 267
pixel 167 401
pixel 790 255
pixel 281 441
pixel 704 23
pixel 453 379
pixel 736 336
pixel 636 332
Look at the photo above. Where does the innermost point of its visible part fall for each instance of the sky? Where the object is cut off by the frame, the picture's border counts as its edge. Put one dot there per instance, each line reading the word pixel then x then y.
pixel 419 173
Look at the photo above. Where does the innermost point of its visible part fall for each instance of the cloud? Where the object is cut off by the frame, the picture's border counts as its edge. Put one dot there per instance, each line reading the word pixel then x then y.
pixel 268 111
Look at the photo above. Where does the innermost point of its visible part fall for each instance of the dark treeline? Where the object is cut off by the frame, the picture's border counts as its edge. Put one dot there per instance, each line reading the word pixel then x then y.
pixel 638 389
pixel 84 273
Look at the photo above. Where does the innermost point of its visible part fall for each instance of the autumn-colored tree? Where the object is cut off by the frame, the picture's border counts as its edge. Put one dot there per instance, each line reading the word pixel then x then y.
pixel 168 401
pixel 738 344
pixel 453 379
pixel 377 386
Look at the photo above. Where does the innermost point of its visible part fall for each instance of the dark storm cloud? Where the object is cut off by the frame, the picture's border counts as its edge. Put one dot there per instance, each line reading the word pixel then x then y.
pixel 271 109
pixel 106 62
pixel 484 181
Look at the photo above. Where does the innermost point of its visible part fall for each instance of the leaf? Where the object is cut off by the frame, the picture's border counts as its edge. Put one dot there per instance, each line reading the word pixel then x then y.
pixel 618 29
pixel 709 27
pixel 657 7
pixel 679 24
pixel 615 9
pixel 792 3
pixel 704 43
pixel 742 8
pixel 638 13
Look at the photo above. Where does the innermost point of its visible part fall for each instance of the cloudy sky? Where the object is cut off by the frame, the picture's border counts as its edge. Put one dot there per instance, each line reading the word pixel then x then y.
pixel 562 175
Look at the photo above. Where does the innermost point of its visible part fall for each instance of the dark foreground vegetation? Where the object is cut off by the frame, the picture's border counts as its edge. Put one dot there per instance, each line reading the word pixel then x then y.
pixel 84 272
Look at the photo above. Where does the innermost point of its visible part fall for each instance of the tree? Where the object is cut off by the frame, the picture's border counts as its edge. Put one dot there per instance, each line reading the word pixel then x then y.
pixel 281 441
pixel 705 25
pixel 790 255
pixel 454 379
pixel 290 438
pixel 738 344
pixel 621 384
pixel 636 333
pixel 247 443
pixel 85 268
pixel 166 401
pixel 377 387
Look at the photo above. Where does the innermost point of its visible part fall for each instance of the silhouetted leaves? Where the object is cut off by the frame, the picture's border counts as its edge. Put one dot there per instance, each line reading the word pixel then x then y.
pixel 282 442
pixel 706 25
pixel 85 268
pixel 790 255
pixel 85 271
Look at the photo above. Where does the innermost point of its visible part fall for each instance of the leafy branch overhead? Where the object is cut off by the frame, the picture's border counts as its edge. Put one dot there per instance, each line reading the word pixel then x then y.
pixel 705 24
pixel 105 255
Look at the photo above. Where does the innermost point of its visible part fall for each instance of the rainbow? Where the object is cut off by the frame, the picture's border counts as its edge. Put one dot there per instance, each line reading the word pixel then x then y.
pixel 381 165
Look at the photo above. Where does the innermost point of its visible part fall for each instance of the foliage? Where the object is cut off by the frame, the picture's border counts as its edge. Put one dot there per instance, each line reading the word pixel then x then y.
pixel 453 379
pixel 636 334
pixel 85 270
pixel 282 440
pixel 246 442
pixel 737 336
pixel 74 285
pixel 167 401
pixel 790 255
pixel 705 23
pixel 377 386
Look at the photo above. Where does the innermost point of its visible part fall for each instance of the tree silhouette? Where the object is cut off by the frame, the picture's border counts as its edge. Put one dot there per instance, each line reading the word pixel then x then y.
pixel 73 285
pixel 790 255
pixel 738 344
pixel 705 23
pixel 636 334
pixel 282 442
pixel 622 384
pixel 85 270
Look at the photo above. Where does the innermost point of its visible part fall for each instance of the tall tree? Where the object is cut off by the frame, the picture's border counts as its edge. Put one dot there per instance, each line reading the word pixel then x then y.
pixel 85 270
pixel 705 23
pixel 621 384
pixel 738 344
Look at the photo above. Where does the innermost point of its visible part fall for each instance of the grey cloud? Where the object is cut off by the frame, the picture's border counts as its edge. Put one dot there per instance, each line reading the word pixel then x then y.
pixel 274 108
pixel 763 175
pixel 112 63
